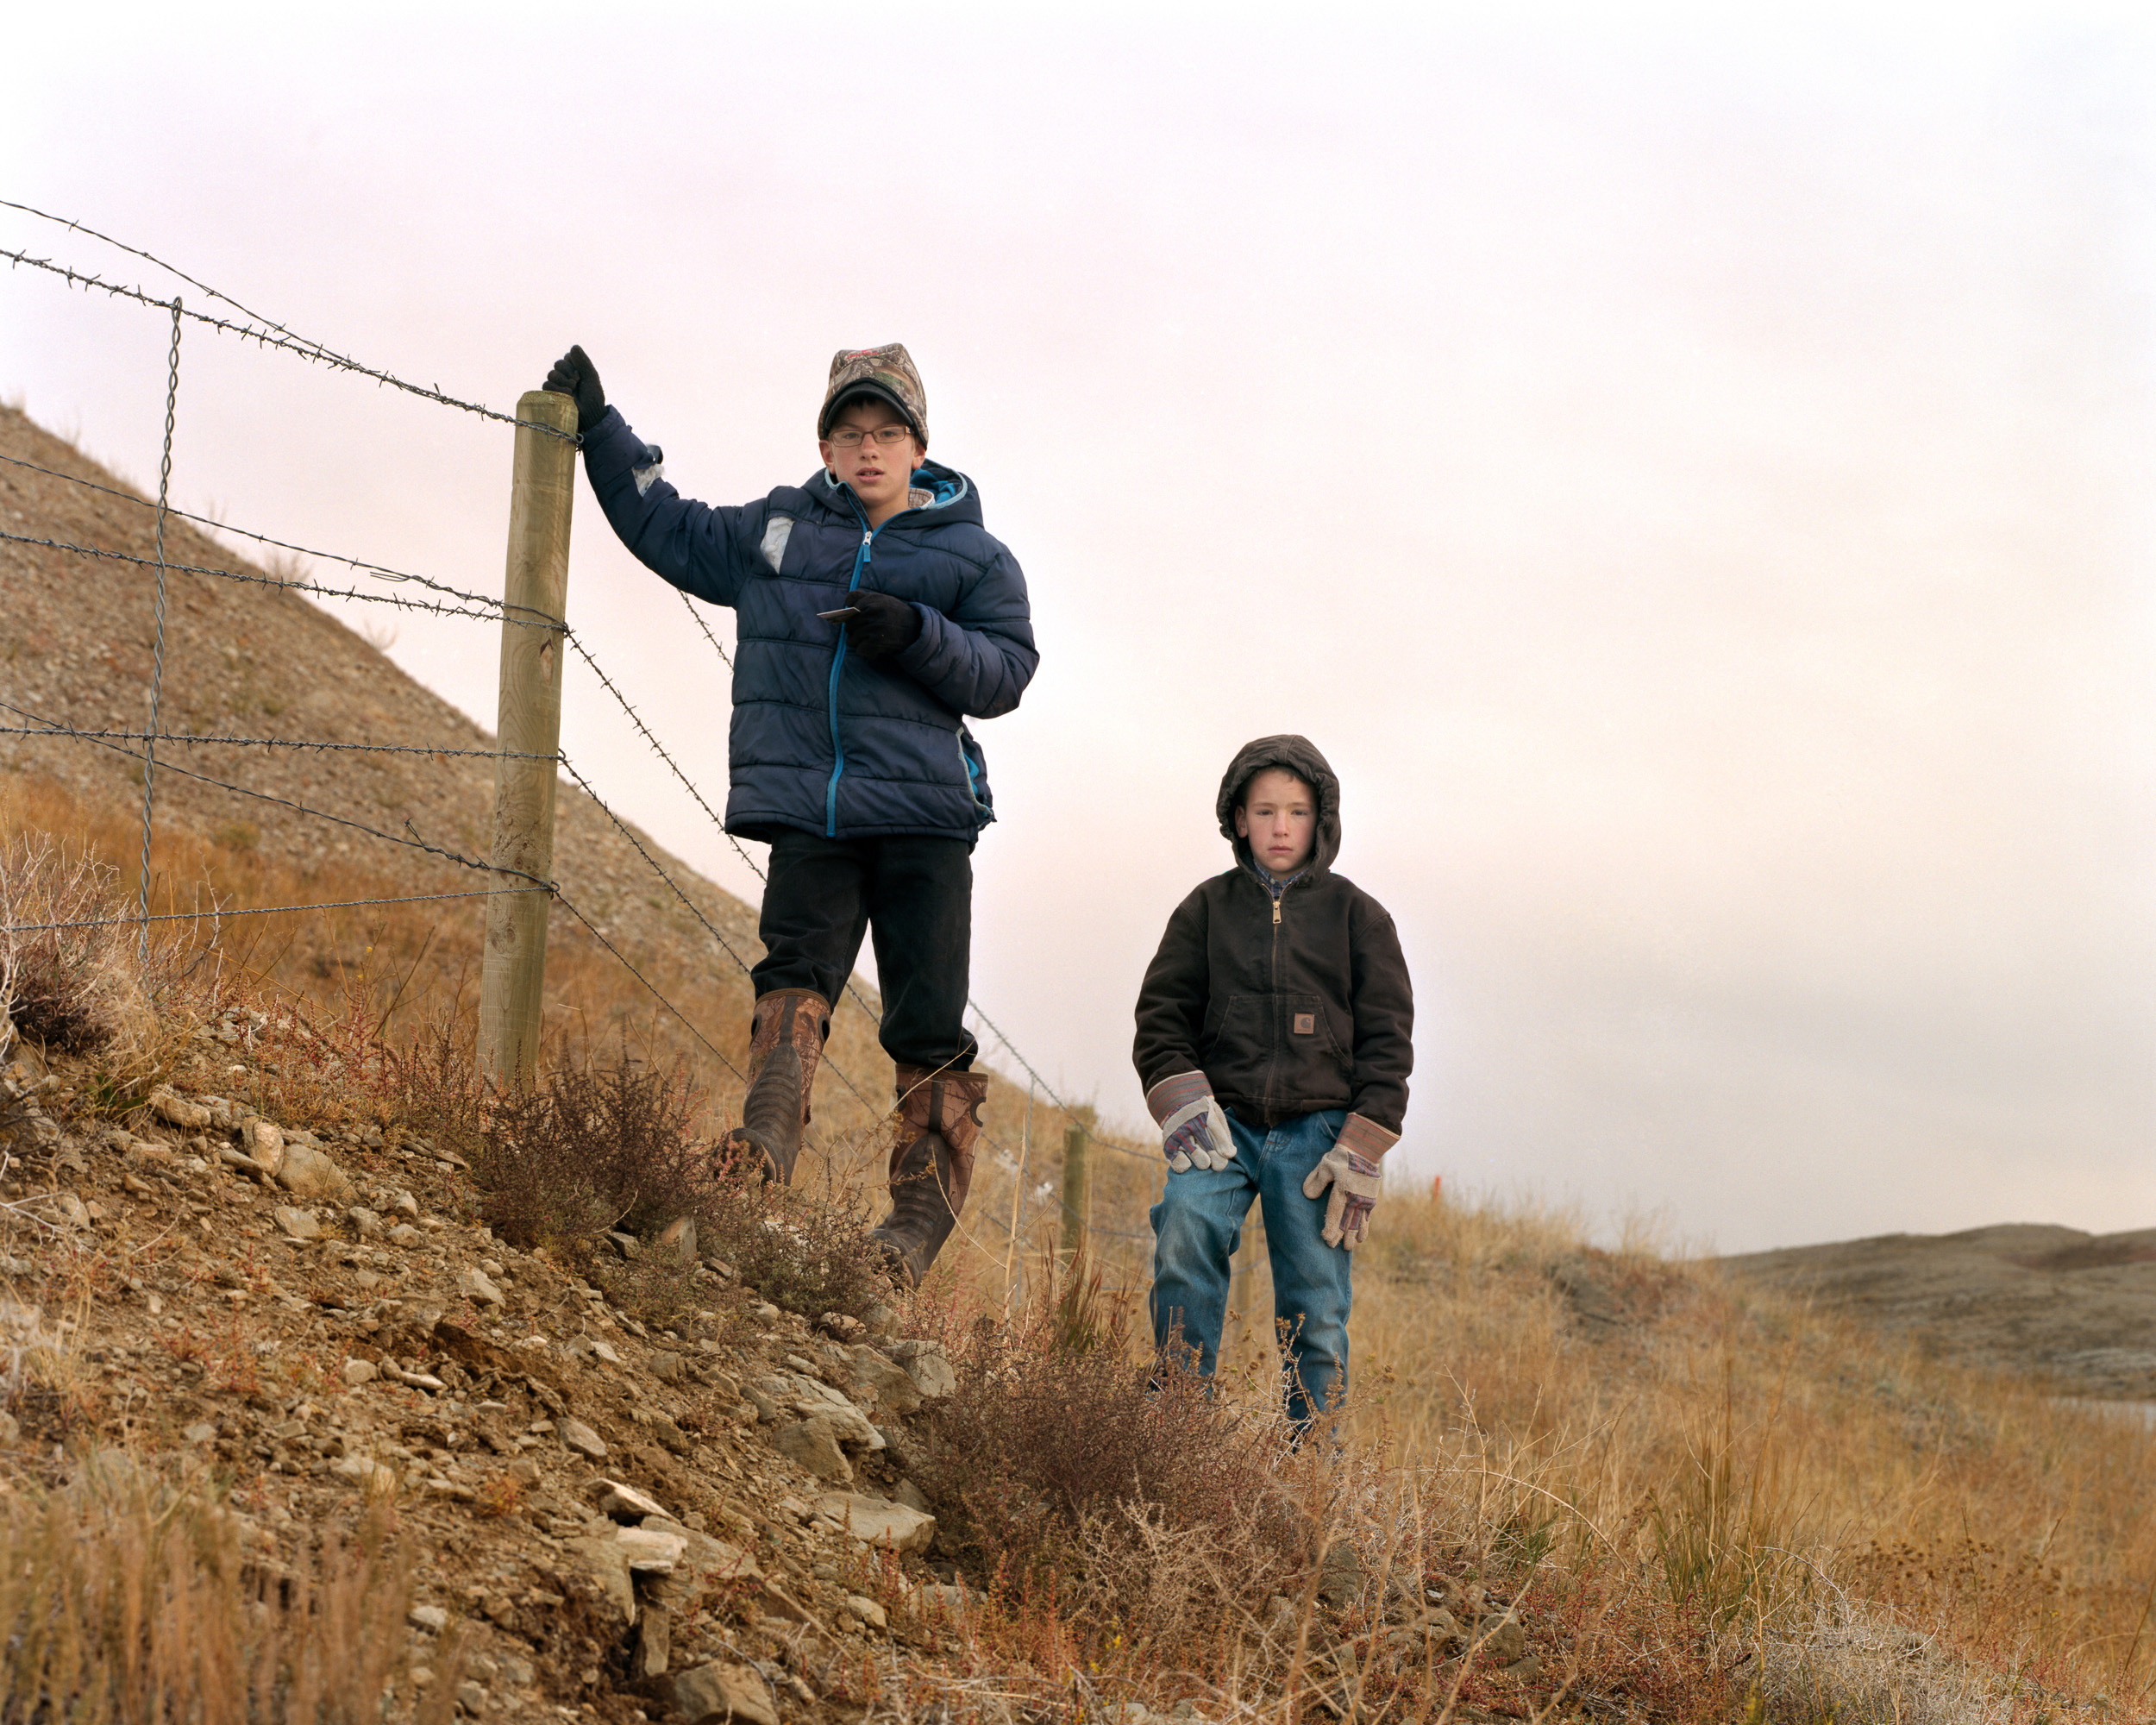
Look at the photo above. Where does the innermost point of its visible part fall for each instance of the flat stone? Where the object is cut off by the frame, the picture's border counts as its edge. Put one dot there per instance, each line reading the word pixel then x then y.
pixel 623 1503
pixel 176 1110
pixel 308 1173
pixel 650 1551
pixel 474 1284
pixel 431 1618
pixel 524 1470
pixel 879 1521
pixel 814 1445
pixel 579 1437
pixel 359 1372
pixel 201 1433
pixel 714 1694
pixel 404 1234
pixel 364 1221
pixel 706 1557
pixel 298 1224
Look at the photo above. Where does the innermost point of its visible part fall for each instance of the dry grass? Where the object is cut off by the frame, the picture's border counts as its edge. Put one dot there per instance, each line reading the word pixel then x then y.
pixel 130 1596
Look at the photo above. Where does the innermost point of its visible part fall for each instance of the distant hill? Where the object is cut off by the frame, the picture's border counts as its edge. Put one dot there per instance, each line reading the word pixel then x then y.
pixel 2075 1309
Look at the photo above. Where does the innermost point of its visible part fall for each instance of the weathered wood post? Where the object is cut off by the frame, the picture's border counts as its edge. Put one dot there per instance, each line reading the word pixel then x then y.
pixel 512 973
pixel 1075 1139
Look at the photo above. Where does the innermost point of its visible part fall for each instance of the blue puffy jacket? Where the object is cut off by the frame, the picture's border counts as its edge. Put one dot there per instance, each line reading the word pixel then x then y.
pixel 821 739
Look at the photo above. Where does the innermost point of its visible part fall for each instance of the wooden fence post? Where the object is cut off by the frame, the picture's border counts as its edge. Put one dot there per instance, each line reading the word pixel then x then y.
pixel 1075 1139
pixel 512 973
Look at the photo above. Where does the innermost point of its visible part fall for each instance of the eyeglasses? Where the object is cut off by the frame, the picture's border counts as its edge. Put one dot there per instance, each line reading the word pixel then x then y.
pixel 888 435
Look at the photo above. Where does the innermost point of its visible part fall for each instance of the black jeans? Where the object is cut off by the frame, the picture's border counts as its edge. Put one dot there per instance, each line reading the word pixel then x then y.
pixel 916 894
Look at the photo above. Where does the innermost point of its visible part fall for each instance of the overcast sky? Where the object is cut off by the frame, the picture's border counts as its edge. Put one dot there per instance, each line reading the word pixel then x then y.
pixel 1691 478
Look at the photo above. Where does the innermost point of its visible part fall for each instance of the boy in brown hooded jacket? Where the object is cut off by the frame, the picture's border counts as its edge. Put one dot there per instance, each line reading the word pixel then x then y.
pixel 1275 1038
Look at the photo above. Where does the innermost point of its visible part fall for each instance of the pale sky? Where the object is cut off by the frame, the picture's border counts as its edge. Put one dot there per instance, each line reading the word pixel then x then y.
pixel 1689 475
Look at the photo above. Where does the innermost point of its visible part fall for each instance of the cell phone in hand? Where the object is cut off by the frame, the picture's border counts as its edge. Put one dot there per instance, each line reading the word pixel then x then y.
pixel 843 611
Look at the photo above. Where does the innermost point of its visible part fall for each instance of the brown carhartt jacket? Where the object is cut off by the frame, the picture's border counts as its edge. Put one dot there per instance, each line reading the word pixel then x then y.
pixel 1288 1003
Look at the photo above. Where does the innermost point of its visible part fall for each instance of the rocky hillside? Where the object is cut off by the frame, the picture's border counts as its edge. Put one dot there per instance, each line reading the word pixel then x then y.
pixel 712 1522
pixel 2077 1310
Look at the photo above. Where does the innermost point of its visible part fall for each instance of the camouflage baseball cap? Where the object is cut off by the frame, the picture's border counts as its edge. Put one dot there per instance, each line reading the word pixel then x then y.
pixel 886 372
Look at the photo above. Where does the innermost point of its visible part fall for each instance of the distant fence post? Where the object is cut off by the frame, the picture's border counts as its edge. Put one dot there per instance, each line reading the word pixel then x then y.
pixel 1074 1137
pixel 512 972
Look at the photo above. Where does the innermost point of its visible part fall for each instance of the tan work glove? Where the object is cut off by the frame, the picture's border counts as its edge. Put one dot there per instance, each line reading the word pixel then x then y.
pixel 1350 1169
pixel 1194 1127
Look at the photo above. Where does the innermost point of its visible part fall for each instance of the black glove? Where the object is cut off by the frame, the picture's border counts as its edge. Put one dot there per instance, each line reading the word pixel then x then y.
pixel 885 625
pixel 573 374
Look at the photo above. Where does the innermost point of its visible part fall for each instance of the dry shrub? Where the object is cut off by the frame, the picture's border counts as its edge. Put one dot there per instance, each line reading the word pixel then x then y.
pixel 74 989
pixel 589 1152
pixel 596 1151
pixel 128 1596
pixel 1069 1457
pixel 803 1251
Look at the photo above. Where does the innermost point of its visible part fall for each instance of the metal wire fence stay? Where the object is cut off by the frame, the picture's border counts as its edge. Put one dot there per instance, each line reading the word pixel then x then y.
pixel 157 661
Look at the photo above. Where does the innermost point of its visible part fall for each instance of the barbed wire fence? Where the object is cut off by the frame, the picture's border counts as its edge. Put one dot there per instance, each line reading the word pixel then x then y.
pixel 447 601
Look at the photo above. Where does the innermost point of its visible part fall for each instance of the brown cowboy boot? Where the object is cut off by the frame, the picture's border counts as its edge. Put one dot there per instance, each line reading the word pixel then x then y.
pixel 790 1027
pixel 931 1165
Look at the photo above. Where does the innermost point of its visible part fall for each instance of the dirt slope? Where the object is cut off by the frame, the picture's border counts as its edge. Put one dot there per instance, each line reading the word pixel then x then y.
pixel 2077 1309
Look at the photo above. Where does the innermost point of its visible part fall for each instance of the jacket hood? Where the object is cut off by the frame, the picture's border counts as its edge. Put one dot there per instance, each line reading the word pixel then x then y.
pixel 1299 756
pixel 951 496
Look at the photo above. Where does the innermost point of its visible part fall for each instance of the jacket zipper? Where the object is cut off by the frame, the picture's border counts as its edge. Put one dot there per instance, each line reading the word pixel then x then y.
pixel 839 662
pixel 1273 1070
pixel 838 659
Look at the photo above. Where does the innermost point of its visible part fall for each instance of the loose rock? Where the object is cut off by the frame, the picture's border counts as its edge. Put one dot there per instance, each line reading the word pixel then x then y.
pixel 176 1110
pixel 623 1503
pixel 714 1694
pixel 879 1521
pixel 264 1141
pixel 814 1445
pixel 359 1372
pixel 308 1173
pixel 579 1437
pixel 474 1285
pixel 298 1224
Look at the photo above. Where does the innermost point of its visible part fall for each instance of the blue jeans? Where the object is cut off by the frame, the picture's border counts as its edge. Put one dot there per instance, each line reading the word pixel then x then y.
pixel 1197 1226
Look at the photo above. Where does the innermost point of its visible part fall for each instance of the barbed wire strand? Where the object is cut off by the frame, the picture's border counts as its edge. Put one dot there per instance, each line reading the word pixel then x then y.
pixel 281 742
pixel 567 906
pixel 156 655
pixel 536 621
pixel 360 565
pixel 264 334
pixel 410 839
pixel 224 911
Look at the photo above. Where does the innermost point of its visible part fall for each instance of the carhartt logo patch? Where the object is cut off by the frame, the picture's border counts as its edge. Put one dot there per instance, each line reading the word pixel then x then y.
pixel 1306 1023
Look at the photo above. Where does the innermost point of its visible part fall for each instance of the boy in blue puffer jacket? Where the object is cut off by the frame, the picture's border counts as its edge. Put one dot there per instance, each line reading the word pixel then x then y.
pixel 875 615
